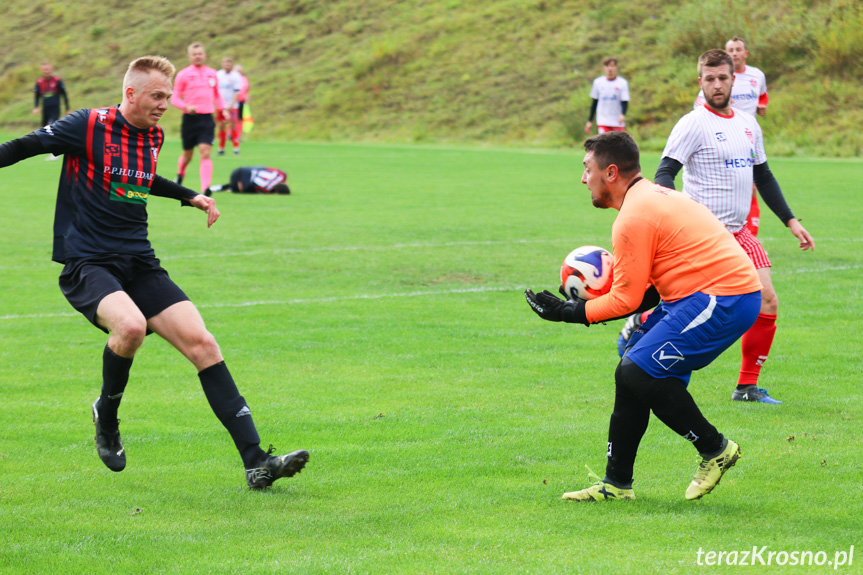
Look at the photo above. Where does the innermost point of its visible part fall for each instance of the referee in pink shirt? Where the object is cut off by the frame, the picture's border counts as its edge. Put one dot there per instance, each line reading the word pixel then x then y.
pixel 196 93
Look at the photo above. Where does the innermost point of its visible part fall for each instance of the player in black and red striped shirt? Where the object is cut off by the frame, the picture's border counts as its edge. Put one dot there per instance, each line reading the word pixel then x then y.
pixel 49 89
pixel 111 273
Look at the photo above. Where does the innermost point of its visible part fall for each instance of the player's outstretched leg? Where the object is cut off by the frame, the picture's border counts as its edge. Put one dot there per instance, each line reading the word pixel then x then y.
pixel 262 468
pixel 108 443
pixel 269 468
pixel 711 469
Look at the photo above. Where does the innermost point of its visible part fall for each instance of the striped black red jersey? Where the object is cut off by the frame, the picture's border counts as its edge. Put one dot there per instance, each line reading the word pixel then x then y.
pixel 50 89
pixel 257 179
pixel 108 170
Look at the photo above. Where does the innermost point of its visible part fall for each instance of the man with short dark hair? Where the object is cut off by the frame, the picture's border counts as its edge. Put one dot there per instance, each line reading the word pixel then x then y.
pixel 748 94
pixel 609 100
pixel 721 152
pixel 111 274
pixel 710 296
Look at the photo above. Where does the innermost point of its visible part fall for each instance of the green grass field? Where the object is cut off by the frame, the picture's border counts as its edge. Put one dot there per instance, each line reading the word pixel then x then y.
pixel 375 317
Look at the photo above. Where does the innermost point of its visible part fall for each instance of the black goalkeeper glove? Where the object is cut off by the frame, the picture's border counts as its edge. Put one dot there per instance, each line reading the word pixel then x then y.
pixel 550 307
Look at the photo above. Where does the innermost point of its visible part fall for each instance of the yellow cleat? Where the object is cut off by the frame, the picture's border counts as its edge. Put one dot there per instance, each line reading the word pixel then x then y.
pixel 599 491
pixel 710 471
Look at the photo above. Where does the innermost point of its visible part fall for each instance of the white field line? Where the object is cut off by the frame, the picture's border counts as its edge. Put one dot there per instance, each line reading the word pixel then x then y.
pixel 301 301
pixel 416 245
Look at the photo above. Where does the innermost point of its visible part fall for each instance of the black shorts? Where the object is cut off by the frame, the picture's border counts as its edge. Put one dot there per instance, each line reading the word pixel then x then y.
pixel 197 129
pixel 86 281
pixel 50 114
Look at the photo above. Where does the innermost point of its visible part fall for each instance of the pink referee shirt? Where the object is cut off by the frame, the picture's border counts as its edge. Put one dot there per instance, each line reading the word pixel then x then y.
pixel 197 86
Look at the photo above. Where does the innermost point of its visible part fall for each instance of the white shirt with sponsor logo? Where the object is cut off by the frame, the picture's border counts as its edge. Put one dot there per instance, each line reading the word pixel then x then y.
pixel 718 154
pixel 609 95
pixel 749 86
pixel 230 84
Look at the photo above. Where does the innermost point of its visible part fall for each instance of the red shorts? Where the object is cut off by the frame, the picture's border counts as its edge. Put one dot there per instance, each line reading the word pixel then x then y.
pixel 235 115
pixel 753 248
pixel 604 129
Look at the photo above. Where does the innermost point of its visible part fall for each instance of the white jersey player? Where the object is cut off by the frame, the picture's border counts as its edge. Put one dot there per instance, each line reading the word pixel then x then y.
pixel 722 153
pixel 749 94
pixel 610 99
pixel 230 83
pixel 718 154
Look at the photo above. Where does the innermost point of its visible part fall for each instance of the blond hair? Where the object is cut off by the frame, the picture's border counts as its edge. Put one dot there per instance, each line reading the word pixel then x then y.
pixel 147 64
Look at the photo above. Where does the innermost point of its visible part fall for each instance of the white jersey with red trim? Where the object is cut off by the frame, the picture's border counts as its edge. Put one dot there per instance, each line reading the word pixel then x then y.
pixel 718 154
pixel 230 84
pixel 749 86
pixel 609 94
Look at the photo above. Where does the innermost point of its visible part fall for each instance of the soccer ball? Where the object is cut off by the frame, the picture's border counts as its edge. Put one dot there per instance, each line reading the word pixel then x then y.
pixel 586 273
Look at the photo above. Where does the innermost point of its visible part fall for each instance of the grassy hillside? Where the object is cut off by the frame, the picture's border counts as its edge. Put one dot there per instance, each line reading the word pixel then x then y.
pixel 490 71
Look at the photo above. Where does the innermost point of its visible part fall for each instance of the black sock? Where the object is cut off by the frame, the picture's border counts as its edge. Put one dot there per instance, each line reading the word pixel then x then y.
pixel 115 376
pixel 747 387
pixel 627 426
pixel 673 405
pixel 231 409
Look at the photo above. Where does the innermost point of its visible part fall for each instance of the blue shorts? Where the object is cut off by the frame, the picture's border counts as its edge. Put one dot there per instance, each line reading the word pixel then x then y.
pixel 688 334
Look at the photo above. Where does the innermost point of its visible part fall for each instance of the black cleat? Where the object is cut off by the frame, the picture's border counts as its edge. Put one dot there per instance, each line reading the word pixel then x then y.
pixel 108 443
pixel 270 468
pixel 179 179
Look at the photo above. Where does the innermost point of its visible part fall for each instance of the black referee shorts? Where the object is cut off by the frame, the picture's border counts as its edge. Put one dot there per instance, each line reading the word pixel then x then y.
pixel 197 129
pixel 86 281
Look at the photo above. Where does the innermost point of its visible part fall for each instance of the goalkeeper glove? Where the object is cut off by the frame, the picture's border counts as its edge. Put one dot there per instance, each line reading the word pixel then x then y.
pixel 550 307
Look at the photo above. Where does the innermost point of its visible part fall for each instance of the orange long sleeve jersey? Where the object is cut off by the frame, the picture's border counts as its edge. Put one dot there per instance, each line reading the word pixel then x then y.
pixel 665 238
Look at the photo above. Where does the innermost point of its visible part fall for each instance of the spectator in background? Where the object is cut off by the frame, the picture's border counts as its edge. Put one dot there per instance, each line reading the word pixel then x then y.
pixel 610 94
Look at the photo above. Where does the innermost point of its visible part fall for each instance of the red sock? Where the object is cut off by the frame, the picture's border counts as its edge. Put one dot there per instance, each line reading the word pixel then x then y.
pixel 181 167
pixel 753 219
pixel 755 345
pixel 222 137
